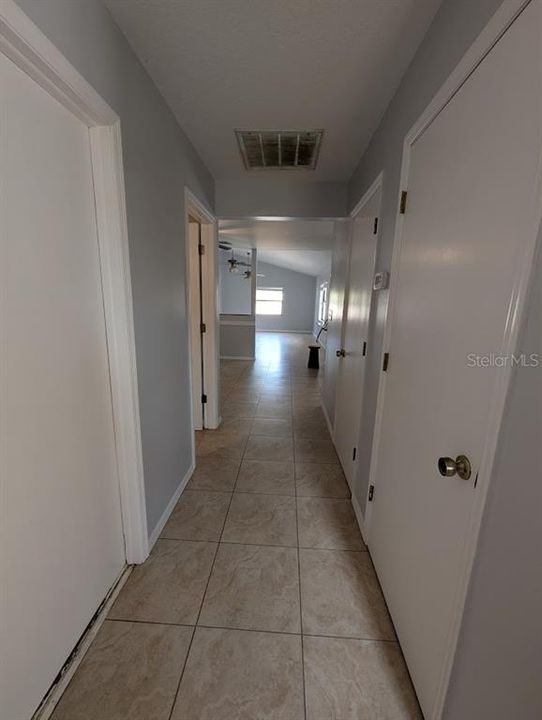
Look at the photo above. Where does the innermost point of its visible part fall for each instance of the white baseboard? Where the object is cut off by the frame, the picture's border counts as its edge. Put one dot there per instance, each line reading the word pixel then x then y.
pixel 328 423
pixel 169 509
pixel 51 700
pixel 237 357
pixel 214 427
pixel 359 517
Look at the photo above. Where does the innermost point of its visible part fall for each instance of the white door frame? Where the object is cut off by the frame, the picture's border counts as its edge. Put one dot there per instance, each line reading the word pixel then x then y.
pixel 193 207
pixel 493 31
pixel 32 52
pixel 375 186
pixel 358 208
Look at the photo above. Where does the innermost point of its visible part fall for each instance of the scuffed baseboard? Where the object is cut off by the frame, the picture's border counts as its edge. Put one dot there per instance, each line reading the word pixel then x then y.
pixel 52 698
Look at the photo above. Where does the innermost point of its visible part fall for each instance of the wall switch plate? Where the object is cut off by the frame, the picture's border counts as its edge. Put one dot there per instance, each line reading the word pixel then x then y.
pixel 381 280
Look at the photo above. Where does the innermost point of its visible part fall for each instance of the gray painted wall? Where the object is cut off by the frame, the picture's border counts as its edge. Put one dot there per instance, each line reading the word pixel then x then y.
pixel 158 162
pixel 454 29
pixel 258 196
pixel 235 291
pixel 237 337
pixel 238 331
pixel 298 299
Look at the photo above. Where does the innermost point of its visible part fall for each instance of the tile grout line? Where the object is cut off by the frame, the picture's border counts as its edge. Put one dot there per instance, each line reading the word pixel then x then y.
pixel 256 630
pixel 294 407
pixel 299 589
pixel 202 601
pixel 182 673
pixel 299 572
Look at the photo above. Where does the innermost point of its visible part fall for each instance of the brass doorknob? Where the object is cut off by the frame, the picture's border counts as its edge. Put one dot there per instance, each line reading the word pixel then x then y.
pixel 448 467
pixel 340 353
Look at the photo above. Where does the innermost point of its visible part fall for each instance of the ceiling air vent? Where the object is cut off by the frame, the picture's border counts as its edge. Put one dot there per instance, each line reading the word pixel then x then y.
pixel 279 149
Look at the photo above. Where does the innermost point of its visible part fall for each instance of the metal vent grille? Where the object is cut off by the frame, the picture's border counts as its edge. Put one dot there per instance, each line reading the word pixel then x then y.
pixel 279 149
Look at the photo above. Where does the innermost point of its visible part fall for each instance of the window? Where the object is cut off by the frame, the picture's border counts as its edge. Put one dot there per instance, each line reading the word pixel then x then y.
pixel 269 301
pixel 322 304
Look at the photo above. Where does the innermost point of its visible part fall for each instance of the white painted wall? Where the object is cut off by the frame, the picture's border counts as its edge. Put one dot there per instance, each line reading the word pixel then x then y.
pixel 298 300
pixel 159 162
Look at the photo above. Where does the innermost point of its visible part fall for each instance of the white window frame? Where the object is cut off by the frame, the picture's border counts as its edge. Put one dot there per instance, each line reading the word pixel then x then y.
pixel 267 300
pixel 323 302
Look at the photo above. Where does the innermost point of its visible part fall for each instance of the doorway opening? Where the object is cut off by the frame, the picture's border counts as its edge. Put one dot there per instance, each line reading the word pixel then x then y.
pixel 201 281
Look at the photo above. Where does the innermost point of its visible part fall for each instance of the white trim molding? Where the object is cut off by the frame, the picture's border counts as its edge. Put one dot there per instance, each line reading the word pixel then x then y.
pixel 193 207
pixel 490 35
pixel 328 423
pixel 359 517
pixel 24 43
pixel 30 50
pixel 155 534
pixel 376 186
pixel 106 149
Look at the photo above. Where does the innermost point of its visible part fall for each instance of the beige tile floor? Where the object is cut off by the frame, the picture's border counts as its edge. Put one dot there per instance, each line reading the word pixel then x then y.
pixel 259 601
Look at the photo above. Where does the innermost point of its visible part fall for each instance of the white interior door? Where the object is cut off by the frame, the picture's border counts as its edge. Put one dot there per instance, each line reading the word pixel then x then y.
pixel 351 366
pixel 61 532
pixel 473 199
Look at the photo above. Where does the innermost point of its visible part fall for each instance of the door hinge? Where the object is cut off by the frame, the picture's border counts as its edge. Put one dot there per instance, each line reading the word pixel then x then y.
pixel 371 493
pixel 201 249
pixel 354 452
pixel 402 205
pixel 204 399
pixel 386 362
pixel 203 328
pixel 364 349
pixel 375 226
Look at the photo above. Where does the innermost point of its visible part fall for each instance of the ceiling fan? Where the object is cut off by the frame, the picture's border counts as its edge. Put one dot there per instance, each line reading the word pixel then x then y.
pixel 236 264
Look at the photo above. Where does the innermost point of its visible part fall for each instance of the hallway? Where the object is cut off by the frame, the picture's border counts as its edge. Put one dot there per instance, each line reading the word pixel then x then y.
pixel 195 525
pixel 259 600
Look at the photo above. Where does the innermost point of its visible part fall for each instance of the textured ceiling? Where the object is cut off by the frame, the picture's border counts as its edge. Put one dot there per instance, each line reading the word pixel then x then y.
pixel 276 64
pixel 301 245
